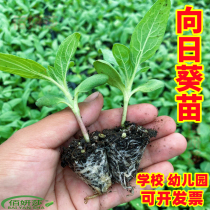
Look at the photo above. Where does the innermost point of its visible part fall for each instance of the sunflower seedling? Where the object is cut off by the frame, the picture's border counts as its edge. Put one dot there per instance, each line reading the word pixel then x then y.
pixel 126 150
pixel 145 41
pixel 57 75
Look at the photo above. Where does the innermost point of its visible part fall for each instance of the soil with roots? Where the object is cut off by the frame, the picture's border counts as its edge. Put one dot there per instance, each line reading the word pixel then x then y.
pixel 112 156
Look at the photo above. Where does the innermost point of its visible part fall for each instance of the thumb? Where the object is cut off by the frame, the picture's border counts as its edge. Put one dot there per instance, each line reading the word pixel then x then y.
pixel 54 130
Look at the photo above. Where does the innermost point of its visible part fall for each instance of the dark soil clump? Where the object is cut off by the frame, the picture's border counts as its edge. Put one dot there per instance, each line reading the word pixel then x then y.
pixel 89 161
pixel 125 148
pixel 112 156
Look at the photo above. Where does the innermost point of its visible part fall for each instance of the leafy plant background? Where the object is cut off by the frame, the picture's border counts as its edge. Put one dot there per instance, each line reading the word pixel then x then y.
pixel 34 30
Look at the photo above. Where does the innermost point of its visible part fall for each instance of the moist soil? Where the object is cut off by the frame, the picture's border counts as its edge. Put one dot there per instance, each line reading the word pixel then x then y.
pixel 111 156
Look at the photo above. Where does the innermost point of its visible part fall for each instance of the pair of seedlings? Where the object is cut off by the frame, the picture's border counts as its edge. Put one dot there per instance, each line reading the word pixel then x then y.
pixel 111 156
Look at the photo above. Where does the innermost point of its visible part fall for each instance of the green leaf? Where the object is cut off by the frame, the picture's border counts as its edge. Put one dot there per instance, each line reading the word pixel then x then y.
pixel 149 33
pixel 149 86
pixel 203 130
pixel 71 64
pixel 29 122
pixel 155 95
pixel 201 154
pixel 64 55
pixel 102 67
pixel 108 56
pixel 50 101
pixel 9 116
pixel 51 72
pixel 23 67
pixel 136 204
pixel 144 69
pixel 23 5
pixel 91 82
pixel 5 131
pixel 206 198
pixel 122 56
pixel 205 167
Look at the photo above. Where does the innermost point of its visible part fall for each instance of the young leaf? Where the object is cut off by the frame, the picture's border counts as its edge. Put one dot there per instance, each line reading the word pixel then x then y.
pixel 23 67
pixel 149 33
pixel 149 86
pixel 108 56
pixel 51 72
pixel 102 67
pixel 49 101
pixel 71 64
pixel 91 82
pixel 144 69
pixel 64 55
pixel 122 56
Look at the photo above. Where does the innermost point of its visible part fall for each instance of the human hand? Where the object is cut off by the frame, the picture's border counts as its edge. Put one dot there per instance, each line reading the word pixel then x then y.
pixel 30 158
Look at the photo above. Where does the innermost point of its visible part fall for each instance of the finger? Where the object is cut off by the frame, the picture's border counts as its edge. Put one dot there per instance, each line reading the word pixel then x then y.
pixel 163 149
pixel 60 189
pixel 55 129
pixel 78 190
pixel 119 195
pixel 164 126
pixel 138 113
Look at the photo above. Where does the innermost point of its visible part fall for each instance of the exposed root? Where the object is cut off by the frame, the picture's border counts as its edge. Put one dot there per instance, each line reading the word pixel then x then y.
pixel 86 199
pixel 112 156
pixel 131 191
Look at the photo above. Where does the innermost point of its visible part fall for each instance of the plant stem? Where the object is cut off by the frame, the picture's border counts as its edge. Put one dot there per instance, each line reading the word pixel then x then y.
pixel 73 104
pixel 82 126
pixel 79 119
pixel 125 107
pixel 127 94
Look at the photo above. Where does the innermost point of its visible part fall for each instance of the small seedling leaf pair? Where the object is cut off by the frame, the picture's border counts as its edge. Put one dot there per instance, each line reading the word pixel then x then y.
pixel 145 41
pixel 30 69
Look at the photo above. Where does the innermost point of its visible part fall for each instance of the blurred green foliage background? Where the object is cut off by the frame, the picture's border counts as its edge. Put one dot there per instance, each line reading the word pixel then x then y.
pixel 34 30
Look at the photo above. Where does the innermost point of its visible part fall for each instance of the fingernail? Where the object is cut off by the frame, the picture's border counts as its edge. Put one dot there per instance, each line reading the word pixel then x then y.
pixel 91 97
